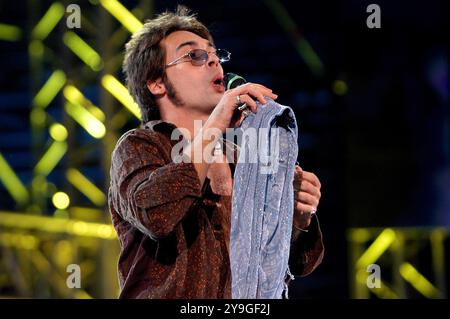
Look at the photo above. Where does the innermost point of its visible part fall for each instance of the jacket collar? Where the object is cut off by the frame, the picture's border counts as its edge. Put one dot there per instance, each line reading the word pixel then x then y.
pixel 160 126
pixel 167 128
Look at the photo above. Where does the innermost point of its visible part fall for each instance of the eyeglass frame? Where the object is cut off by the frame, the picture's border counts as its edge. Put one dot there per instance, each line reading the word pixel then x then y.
pixel 204 61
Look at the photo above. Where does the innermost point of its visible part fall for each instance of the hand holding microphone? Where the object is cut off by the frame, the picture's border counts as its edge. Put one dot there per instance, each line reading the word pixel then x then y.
pixel 232 81
pixel 226 114
pixel 239 95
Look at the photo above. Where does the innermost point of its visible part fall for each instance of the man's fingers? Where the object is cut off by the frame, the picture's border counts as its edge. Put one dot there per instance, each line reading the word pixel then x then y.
pixel 297 177
pixel 308 187
pixel 261 86
pixel 312 178
pixel 306 190
pixel 249 101
pixel 257 91
pixel 306 198
pixel 301 207
pixel 258 94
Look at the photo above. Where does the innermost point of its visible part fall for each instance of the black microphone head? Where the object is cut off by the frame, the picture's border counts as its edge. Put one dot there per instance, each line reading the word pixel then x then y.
pixel 232 80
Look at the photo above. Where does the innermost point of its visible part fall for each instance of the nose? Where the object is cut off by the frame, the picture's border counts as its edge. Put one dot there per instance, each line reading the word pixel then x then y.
pixel 213 59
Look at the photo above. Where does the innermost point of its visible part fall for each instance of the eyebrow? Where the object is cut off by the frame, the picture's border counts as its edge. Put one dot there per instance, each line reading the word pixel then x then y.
pixel 191 43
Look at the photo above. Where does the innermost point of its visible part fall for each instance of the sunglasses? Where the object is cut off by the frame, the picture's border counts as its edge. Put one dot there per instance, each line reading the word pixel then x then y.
pixel 199 57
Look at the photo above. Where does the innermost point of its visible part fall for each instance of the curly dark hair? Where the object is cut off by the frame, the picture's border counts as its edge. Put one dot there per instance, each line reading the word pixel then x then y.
pixel 145 57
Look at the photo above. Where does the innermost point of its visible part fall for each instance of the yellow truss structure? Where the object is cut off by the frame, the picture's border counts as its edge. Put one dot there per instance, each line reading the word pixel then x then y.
pixel 397 253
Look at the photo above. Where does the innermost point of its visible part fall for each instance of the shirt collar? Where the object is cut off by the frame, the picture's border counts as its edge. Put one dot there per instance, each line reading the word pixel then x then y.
pixel 168 127
pixel 160 126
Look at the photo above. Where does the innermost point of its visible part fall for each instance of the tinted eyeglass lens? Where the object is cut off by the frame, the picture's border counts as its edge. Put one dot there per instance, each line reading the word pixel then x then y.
pixel 223 55
pixel 198 56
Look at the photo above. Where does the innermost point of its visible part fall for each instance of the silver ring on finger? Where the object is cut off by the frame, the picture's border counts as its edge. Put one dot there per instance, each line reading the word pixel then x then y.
pixel 242 107
pixel 238 99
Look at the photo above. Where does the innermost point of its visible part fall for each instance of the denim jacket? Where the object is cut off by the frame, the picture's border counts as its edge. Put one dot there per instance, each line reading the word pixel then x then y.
pixel 262 203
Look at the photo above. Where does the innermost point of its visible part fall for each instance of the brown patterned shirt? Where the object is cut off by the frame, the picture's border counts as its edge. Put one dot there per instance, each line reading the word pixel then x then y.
pixel 173 233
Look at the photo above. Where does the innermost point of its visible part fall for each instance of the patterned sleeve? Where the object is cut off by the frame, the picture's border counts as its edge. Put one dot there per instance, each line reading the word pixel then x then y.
pixel 307 249
pixel 152 193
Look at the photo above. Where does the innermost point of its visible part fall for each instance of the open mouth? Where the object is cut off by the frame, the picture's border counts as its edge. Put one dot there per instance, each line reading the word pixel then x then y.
pixel 218 84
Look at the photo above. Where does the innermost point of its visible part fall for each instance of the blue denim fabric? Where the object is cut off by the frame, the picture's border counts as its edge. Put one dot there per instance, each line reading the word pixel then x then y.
pixel 262 204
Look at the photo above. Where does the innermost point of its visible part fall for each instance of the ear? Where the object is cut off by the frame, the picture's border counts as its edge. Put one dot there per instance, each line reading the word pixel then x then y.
pixel 156 87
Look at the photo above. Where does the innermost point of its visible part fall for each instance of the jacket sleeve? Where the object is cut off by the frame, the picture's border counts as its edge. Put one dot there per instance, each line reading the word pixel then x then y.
pixel 152 193
pixel 307 249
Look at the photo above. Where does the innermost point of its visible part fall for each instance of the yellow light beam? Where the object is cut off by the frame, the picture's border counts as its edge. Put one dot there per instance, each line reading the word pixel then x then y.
pixel 384 292
pixel 83 50
pixel 61 200
pixel 418 281
pixel 9 32
pixel 85 213
pixel 36 49
pixel 48 21
pixel 81 294
pixel 58 132
pixel 20 241
pixel 86 120
pixel 85 186
pixel 340 87
pixel 359 235
pixel 51 158
pixel 76 97
pixel 128 20
pixel 50 89
pixel 302 45
pixel 12 182
pixel 120 92
pixel 57 225
pixel 378 247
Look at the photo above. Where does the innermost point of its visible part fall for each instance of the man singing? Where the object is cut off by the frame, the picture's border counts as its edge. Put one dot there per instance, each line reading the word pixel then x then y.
pixel 173 219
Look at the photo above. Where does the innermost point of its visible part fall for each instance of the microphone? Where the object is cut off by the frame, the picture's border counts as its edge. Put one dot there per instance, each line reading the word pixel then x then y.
pixel 232 81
